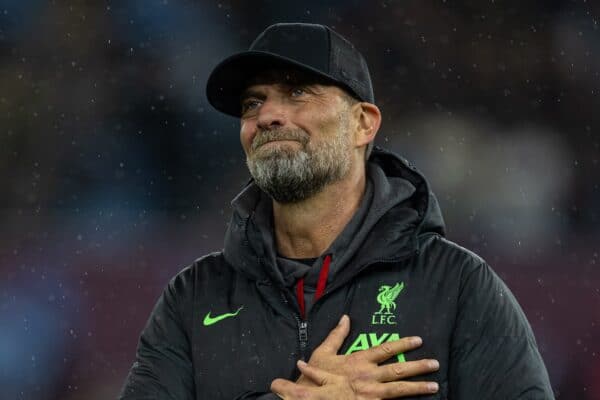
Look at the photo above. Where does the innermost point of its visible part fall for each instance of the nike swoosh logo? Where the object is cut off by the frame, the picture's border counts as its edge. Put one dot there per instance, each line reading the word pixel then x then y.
pixel 208 320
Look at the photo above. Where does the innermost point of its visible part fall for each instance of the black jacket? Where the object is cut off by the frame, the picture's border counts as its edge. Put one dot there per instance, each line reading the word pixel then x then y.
pixel 392 271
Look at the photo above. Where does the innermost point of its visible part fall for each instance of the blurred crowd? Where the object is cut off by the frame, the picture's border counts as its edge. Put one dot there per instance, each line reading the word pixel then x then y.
pixel 116 173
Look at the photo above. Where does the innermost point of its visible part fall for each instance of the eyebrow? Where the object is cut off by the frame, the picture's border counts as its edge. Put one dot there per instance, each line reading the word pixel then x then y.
pixel 260 95
pixel 251 93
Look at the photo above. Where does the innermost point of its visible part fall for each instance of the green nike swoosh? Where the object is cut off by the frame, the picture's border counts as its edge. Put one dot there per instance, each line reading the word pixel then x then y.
pixel 208 320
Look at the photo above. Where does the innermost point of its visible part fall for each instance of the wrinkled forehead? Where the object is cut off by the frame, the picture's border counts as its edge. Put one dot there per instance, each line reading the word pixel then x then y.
pixel 286 77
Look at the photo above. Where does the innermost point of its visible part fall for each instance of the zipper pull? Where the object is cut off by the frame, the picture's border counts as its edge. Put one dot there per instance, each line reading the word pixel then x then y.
pixel 303 334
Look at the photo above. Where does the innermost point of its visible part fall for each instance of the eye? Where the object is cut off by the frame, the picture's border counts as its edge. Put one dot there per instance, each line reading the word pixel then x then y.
pixel 298 91
pixel 249 105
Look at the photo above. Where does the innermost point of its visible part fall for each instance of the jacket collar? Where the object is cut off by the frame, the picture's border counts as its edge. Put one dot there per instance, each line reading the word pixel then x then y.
pixel 402 207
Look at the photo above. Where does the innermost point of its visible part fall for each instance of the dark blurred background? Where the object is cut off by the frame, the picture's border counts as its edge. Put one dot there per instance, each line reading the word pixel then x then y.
pixel 116 173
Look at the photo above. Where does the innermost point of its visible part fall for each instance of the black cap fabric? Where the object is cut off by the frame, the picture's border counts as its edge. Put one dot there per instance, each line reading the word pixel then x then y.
pixel 309 47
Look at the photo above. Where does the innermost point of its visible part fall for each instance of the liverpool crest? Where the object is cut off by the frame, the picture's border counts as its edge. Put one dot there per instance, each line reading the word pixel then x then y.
pixel 387 301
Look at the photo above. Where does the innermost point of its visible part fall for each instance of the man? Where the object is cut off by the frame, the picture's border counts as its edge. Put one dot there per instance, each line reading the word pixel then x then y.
pixel 335 255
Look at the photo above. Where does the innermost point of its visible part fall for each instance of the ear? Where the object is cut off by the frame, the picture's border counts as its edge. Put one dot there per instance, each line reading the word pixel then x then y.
pixel 368 119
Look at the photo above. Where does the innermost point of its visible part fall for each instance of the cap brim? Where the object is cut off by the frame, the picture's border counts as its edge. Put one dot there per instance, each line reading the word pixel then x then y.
pixel 229 78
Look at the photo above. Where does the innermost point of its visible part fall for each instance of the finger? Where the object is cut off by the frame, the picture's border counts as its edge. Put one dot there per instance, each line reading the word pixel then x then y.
pixel 402 370
pixel 336 337
pixel 278 395
pixel 282 387
pixel 317 375
pixel 389 349
pixel 391 390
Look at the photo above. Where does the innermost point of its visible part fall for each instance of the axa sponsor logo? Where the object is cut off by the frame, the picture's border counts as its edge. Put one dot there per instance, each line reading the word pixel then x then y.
pixel 365 341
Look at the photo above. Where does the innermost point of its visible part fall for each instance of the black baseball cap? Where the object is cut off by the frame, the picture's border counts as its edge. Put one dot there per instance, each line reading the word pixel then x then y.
pixel 311 48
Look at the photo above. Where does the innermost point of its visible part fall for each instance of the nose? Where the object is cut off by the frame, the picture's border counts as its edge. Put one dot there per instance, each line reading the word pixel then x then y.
pixel 271 115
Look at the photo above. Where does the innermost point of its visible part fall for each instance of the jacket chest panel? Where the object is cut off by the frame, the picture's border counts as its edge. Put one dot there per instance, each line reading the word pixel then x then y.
pixel 392 303
pixel 241 346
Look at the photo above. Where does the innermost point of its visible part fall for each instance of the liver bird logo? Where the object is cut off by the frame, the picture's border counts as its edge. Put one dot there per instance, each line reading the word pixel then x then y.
pixel 387 297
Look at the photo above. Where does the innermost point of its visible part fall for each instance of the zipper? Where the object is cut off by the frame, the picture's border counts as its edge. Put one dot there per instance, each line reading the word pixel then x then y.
pixel 302 336
pixel 303 324
pixel 302 330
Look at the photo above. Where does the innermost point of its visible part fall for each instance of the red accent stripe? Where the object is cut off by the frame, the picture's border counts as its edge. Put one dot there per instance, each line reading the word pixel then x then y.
pixel 322 282
pixel 300 295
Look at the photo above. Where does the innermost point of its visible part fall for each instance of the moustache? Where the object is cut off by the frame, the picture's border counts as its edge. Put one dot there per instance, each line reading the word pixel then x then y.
pixel 264 137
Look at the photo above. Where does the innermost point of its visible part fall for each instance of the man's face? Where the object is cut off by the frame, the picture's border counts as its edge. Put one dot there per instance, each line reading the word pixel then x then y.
pixel 296 134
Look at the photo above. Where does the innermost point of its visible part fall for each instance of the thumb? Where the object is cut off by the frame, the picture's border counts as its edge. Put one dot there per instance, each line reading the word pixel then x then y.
pixel 281 387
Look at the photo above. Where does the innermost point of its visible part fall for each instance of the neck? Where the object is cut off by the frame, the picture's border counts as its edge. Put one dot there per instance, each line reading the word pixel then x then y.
pixel 306 229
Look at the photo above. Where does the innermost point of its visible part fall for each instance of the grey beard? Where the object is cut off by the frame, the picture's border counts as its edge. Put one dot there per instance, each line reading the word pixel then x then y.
pixel 293 176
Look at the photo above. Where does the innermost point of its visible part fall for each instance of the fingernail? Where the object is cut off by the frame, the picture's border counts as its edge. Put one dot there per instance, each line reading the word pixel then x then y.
pixel 432 387
pixel 342 320
pixel 434 364
pixel 302 363
pixel 416 340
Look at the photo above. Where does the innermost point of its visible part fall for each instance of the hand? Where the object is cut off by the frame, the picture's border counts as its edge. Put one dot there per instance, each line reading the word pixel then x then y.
pixel 329 386
pixel 368 379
